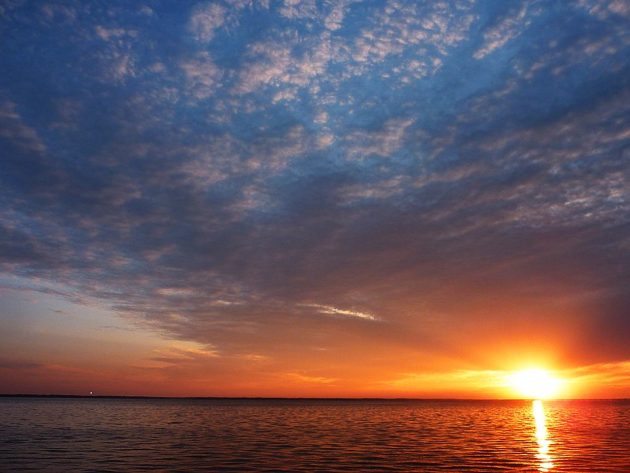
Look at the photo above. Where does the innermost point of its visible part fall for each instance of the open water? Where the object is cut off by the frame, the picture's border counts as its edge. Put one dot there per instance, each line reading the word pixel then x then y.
pixel 194 435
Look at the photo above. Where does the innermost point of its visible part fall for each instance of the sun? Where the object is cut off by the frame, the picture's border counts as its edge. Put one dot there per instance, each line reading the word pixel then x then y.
pixel 535 383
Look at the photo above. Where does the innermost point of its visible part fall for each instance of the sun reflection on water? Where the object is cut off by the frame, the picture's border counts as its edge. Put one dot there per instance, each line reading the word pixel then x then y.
pixel 542 439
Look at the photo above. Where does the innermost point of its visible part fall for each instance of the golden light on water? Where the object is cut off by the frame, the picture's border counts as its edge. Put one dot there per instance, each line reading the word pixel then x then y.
pixel 535 383
pixel 542 437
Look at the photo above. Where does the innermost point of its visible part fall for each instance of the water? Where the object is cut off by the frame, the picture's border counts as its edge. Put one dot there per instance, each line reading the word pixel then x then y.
pixel 67 435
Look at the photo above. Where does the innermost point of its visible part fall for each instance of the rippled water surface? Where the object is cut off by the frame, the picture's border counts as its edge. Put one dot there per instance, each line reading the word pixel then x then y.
pixel 43 434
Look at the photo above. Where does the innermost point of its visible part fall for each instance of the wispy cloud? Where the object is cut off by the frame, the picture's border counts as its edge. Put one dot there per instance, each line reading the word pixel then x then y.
pixel 182 352
pixel 383 142
pixel 13 129
pixel 335 311
pixel 503 31
pixel 304 378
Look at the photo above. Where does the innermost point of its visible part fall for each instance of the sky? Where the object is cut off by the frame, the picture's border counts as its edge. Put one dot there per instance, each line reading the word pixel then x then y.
pixel 314 197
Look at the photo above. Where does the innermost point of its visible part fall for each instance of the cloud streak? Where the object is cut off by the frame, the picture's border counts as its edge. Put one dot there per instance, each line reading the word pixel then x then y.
pixel 335 311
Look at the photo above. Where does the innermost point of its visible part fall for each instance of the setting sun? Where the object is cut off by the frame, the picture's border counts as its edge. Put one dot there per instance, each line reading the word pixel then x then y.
pixel 535 383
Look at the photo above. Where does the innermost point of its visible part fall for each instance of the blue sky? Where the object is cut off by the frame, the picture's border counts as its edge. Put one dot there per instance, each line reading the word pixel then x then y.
pixel 386 180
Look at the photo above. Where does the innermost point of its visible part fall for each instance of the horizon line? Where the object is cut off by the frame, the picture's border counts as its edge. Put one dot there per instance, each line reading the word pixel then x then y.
pixel 297 398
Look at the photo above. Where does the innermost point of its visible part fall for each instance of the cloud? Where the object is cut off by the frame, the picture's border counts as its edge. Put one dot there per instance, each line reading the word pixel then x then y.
pixel 225 157
pixel 202 75
pixel 175 291
pixel 274 64
pixel 59 13
pixel 384 142
pixel 309 379
pixel 481 381
pixel 605 9
pixel 299 9
pixel 383 189
pixel 205 20
pixel 505 30
pixel 425 31
pixel 335 311
pixel 241 4
pixel 13 129
pixel 184 352
pixel 107 34
pixel 272 67
pixel 334 20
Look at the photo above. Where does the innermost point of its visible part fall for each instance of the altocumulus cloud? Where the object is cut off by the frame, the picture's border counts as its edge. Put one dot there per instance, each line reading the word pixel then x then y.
pixel 204 168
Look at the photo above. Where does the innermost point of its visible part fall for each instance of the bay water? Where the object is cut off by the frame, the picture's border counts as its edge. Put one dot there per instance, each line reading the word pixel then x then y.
pixel 278 435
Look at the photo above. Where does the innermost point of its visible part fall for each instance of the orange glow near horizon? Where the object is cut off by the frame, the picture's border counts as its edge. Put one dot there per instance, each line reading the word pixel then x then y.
pixel 188 373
